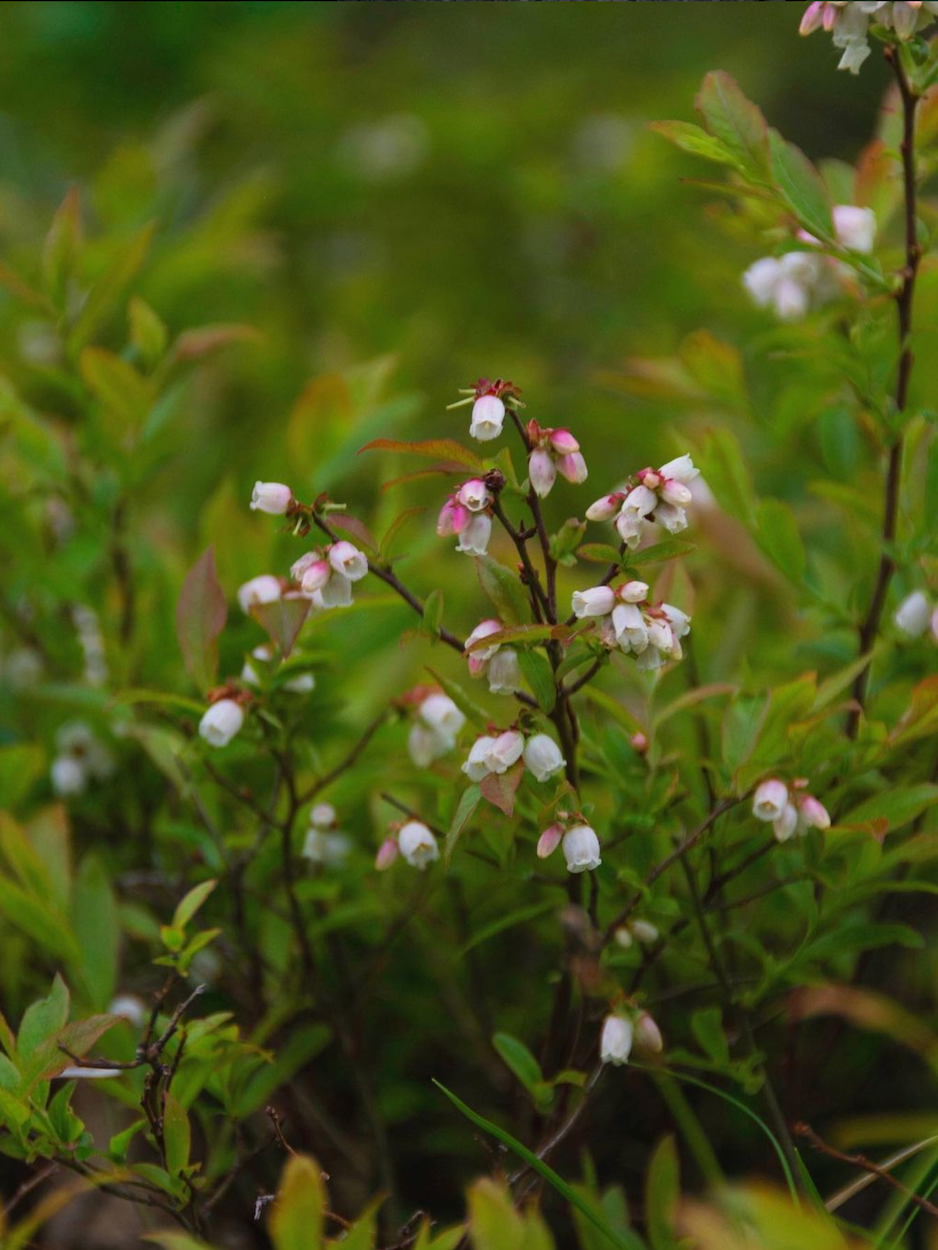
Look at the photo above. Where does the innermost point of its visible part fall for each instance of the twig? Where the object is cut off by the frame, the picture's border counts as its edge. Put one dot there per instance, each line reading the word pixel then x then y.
pixel 866 1165
pixel 869 628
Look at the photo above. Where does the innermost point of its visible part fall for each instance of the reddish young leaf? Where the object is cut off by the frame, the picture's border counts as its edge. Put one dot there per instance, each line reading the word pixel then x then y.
pixel 432 448
pixel 356 530
pixel 282 620
pixel 500 788
pixel 200 617
pixel 194 344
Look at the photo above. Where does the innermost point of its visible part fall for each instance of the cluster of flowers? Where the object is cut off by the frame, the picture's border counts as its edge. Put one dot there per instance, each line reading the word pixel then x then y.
pixel 498 663
pixel 915 614
pixel 330 572
pixel 659 495
pixel 324 844
pixel 497 753
pixel 412 839
pixel 466 514
pixel 793 284
pixel 788 809
pixel 620 1033
pixel 578 840
pixel 80 758
pixel 650 632
pixel 551 451
pixel 437 722
pixel 849 23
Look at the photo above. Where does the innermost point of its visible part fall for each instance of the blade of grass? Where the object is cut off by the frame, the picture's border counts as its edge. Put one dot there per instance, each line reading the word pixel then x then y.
pixel 538 1165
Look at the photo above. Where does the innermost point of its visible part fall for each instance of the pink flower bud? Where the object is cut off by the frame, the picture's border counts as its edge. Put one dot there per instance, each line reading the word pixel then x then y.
pixel 605 509
pixel 474 495
pixel 387 854
pixel 272 497
pixel 542 471
pixel 315 576
pixel 573 468
pixel 813 814
pixel 675 492
pixel 563 442
pixel 348 561
pixel 479 658
pixel 549 840
pixel 453 518
pixel 814 16
pixel 770 800
pixel 639 743
pixel 648 1039
pixel 855 227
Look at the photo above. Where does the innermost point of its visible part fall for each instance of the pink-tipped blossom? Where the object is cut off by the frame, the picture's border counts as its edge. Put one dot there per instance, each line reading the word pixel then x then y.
pixel 562 442
pixel 347 561
pixel 573 468
pixel 812 814
pixel 258 591
pixel 453 519
pixel 387 854
pixel 474 495
pixel 542 471
pixel 607 507
pixel 479 658
pixel 549 840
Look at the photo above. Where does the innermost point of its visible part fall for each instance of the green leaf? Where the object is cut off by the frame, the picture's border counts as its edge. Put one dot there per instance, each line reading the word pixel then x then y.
pixel 296 1218
pixel 43 1019
pixel 118 386
pixel 735 121
pixel 504 589
pixel 496 1225
pixel 696 141
pixel 623 1241
pixel 662 1192
pixel 147 332
pixel 200 617
pixel 599 553
pixel 433 612
pixel 519 1059
pixel 108 289
pixel 190 903
pixel 779 538
pixel 176 1135
pixel 97 928
pixel 60 249
pixel 899 807
pixel 801 186
pixel 668 549
pixel 468 802
pixel 540 677
pixel 707 1027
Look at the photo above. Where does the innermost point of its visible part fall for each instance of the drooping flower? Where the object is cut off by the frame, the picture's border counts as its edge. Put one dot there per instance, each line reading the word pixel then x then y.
pixel 542 756
pixel 493 754
pixel 434 731
pixel 550 839
pixel 597 601
pixel 221 722
pixel 331 572
pixel 913 614
pixel 80 758
pixel 770 800
pixel 581 849
pixel 552 452
pixel 272 497
pixel 479 658
pixel 417 844
pixel 849 23
pixel 474 538
pixel 789 809
pixel 504 671
pixel 615 1043
pixel 488 417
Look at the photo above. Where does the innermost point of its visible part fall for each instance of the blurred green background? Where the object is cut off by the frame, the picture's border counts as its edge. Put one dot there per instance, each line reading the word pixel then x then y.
pixel 472 188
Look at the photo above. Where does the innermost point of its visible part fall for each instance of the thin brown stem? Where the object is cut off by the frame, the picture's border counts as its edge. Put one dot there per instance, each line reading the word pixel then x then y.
pixel 869 627
pixel 865 1165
